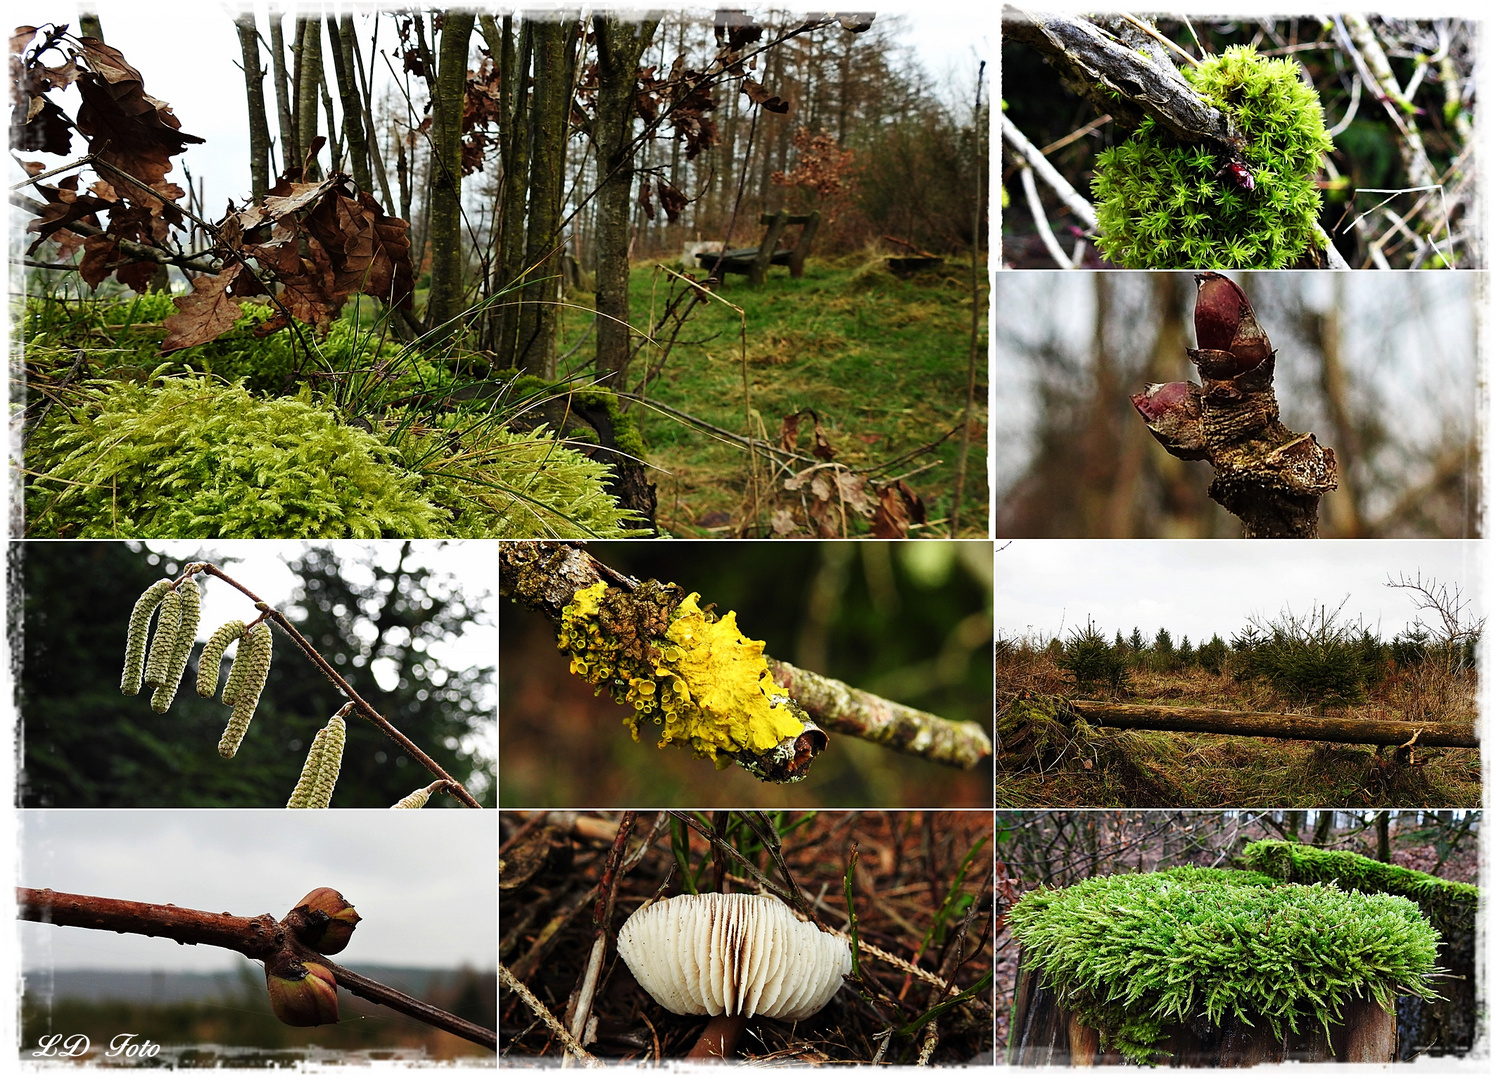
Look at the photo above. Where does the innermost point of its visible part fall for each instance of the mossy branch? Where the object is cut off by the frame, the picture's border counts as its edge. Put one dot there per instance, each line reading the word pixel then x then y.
pixel 545 576
pixel 259 938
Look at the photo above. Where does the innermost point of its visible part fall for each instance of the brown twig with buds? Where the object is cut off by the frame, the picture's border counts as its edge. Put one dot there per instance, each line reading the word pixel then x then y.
pixel 1268 476
pixel 300 979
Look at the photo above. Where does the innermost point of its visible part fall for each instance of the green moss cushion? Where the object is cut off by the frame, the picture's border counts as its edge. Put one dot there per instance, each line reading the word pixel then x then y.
pixel 1133 953
pixel 1162 204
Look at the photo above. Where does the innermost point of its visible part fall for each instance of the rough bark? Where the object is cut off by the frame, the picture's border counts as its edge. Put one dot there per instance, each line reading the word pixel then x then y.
pixel 445 228
pixel 536 344
pixel 254 93
pixel 1096 64
pixel 1348 729
pixel 341 38
pixel 619 44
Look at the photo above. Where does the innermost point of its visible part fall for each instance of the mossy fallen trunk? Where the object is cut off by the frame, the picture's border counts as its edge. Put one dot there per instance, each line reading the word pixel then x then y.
pixel 1344 729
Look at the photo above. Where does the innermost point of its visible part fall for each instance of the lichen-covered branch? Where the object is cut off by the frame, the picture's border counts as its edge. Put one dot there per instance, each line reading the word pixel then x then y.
pixel 847 710
pixel 1268 476
pixel 637 617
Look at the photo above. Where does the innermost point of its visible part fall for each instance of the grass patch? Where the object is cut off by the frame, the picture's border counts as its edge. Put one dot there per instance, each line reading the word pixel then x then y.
pixel 881 360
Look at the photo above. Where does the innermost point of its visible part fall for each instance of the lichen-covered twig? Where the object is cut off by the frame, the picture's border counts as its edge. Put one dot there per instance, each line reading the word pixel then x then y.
pixel 546 575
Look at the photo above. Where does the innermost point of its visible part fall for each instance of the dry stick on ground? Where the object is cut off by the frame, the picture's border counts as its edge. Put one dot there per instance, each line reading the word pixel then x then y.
pixel 544 575
pixel 258 938
pixel 545 1016
pixel 603 918
pixel 369 712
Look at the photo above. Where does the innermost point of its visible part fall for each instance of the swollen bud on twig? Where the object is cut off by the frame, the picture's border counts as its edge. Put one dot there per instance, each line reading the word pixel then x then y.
pixel 1172 413
pixel 186 637
pixel 323 920
pixel 140 625
pixel 1224 323
pixel 211 658
pixel 420 796
pixel 164 642
pixel 252 665
pixel 302 993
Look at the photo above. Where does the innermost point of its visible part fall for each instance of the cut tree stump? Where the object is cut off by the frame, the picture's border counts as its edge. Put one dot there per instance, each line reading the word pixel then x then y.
pixel 1044 1033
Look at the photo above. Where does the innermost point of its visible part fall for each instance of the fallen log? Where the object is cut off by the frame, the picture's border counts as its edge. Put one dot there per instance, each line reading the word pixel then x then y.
pixel 1344 729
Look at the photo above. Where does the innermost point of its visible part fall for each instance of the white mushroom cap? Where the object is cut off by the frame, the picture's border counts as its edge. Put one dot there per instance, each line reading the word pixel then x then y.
pixel 732 953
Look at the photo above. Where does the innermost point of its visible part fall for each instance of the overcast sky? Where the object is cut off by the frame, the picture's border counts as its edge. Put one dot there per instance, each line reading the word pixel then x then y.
pixel 1205 587
pixel 187 53
pixel 424 881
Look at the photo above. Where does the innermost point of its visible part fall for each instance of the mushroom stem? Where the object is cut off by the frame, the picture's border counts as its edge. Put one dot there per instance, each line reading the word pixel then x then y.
pixel 719 1038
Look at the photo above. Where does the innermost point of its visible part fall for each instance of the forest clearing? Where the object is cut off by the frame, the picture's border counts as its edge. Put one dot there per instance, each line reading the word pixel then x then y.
pixel 433 305
pixel 1368 700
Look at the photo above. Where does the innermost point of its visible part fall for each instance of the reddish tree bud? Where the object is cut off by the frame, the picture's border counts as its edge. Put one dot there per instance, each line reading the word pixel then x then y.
pixel 323 921
pixel 1224 322
pixel 1172 413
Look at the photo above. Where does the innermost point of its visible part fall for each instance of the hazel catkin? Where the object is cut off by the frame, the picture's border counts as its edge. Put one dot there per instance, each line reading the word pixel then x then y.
pixel 164 641
pixel 252 663
pixel 186 637
pixel 139 629
pixel 211 659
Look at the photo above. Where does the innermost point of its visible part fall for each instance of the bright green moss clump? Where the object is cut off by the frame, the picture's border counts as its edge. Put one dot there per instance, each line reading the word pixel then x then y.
pixel 695 675
pixel 1134 953
pixel 1162 204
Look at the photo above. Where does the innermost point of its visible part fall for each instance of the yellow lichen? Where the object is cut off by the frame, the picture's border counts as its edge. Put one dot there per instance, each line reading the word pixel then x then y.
pixel 703 683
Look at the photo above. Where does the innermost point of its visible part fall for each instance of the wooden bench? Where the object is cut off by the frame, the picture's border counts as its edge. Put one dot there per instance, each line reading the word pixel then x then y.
pixel 755 262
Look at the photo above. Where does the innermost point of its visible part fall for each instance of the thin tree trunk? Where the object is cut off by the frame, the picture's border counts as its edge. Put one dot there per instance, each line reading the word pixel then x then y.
pixel 552 96
pixel 619 48
pixel 445 229
pixel 89 26
pixel 342 42
pixel 516 158
pixel 371 130
pixel 1384 838
pixel 309 76
pixel 335 145
pixel 254 93
pixel 290 154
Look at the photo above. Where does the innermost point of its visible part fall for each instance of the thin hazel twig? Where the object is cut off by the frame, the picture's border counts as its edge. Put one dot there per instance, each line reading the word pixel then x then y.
pixel 368 711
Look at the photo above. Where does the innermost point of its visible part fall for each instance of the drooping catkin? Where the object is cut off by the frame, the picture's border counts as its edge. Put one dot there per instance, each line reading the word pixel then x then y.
pixel 253 666
pixel 419 797
pixel 210 660
pixel 304 783
pixel 140 625
pixel 186 637
pixel 235 680
pixel 164 641
pixel 329 764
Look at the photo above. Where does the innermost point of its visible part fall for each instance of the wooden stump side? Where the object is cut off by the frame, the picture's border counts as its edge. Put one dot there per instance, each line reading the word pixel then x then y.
pixel 1044 1033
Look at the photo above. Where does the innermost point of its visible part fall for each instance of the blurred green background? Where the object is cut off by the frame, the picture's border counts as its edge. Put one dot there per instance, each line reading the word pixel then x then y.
pixel 909 620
